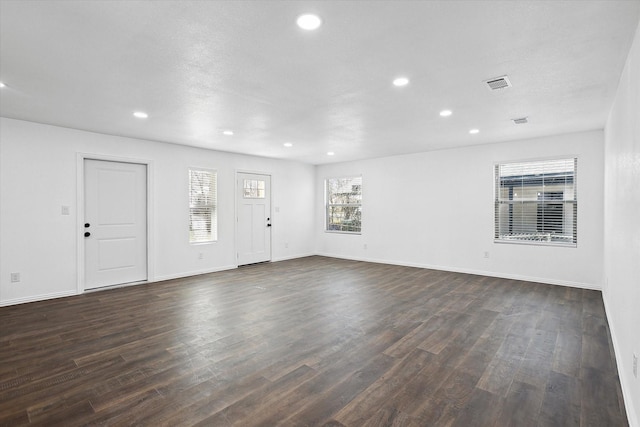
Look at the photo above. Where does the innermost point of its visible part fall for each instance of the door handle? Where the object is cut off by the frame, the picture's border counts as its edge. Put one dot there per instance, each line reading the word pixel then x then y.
pixel 87 234
pixel 87 225
pixel 268 222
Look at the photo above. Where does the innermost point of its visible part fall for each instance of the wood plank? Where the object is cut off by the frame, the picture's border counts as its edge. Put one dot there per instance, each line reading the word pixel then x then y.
pixel 481 410
pixel 498 376
pixel 324 406
pixel 386 387
pixel 265 397
pixel 599 404
pixel 521 407
pixel 567 358
pixel 447 402
pixel 561 404
pixel 391 418
pixel 312 341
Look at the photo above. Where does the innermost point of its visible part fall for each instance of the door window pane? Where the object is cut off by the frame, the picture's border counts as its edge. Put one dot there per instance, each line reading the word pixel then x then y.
pixel 253 189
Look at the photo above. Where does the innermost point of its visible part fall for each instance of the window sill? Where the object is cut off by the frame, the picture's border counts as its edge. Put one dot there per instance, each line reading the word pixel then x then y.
pixel 534 243
pixel 357 233
pixel 203 243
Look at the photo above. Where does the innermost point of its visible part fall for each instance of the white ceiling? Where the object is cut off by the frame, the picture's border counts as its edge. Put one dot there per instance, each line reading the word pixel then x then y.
pixel 198 68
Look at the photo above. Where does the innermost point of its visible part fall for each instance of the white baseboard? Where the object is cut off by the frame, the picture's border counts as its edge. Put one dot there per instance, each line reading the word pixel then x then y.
pixel 472 271
pixel 632 416
pixel 192 273
pixel 34 298
pixel 288 257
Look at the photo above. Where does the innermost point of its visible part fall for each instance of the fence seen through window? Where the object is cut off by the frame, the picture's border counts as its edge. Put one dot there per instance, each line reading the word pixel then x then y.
pixel 536 202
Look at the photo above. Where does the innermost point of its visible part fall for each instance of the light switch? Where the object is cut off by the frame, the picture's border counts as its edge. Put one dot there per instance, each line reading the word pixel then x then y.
pixel 65 210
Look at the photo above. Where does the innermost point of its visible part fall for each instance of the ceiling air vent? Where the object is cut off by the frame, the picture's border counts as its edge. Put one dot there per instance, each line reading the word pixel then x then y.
pixel 521 120
pixel 498 83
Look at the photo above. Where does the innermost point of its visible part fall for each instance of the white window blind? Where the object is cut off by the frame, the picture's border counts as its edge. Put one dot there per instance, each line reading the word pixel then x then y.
pixel 344 204
pixel 536 202
pixel 203 218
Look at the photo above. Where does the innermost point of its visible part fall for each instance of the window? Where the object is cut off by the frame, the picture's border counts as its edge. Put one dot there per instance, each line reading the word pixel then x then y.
pixel 536 202
pixel 203 217
pixel 253 189
pixel 344 204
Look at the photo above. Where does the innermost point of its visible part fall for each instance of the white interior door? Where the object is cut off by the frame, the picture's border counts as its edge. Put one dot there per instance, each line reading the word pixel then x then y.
pixel 254 218
pixel 115 223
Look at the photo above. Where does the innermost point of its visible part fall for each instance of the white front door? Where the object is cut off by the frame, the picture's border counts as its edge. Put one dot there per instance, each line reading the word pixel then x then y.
pixel 115 223
pixel 254 218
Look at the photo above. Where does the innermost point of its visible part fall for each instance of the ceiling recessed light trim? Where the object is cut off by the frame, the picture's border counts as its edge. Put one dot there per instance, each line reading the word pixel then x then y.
pixel 227 132
pixel 288 144
pixel 309 21
pixel 330 153
pixel 400 81
pixel 474 131
pixel 2 85
pixel 140 114
pixel 446 113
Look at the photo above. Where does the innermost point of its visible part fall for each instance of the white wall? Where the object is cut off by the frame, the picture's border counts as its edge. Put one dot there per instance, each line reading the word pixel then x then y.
pixel 38 175
pixel 436 210
pixel 622 227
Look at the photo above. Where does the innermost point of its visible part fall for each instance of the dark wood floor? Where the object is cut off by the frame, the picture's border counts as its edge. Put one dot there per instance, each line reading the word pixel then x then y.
pixel 314 341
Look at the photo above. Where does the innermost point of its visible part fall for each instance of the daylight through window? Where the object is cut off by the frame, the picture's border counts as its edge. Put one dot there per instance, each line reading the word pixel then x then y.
pixel 536 202
pixel 344 204
pixel 253 189
pixel 203 221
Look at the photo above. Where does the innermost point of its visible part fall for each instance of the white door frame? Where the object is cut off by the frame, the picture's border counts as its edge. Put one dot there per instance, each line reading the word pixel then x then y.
pixel 80 266
pixel 235 210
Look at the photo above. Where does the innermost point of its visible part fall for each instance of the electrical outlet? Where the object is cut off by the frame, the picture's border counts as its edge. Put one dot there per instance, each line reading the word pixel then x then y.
pixel 486 254
pixel 15 277
pixel 200 255
pixel 286 245
pixel 635 365
pixel 364 246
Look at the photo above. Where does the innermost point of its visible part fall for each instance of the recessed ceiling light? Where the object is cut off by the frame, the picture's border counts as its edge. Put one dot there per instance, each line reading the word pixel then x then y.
pixel 141 114
pixel 309 22
pixel 288 144
pixel 228 132
pixel 445 113
pixel 330 153
pixel 474 131
pixel 2 84
pixel 401 81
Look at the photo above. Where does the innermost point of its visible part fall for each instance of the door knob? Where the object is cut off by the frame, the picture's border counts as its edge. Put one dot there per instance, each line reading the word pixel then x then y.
pixel 87 234
pixel 87 225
